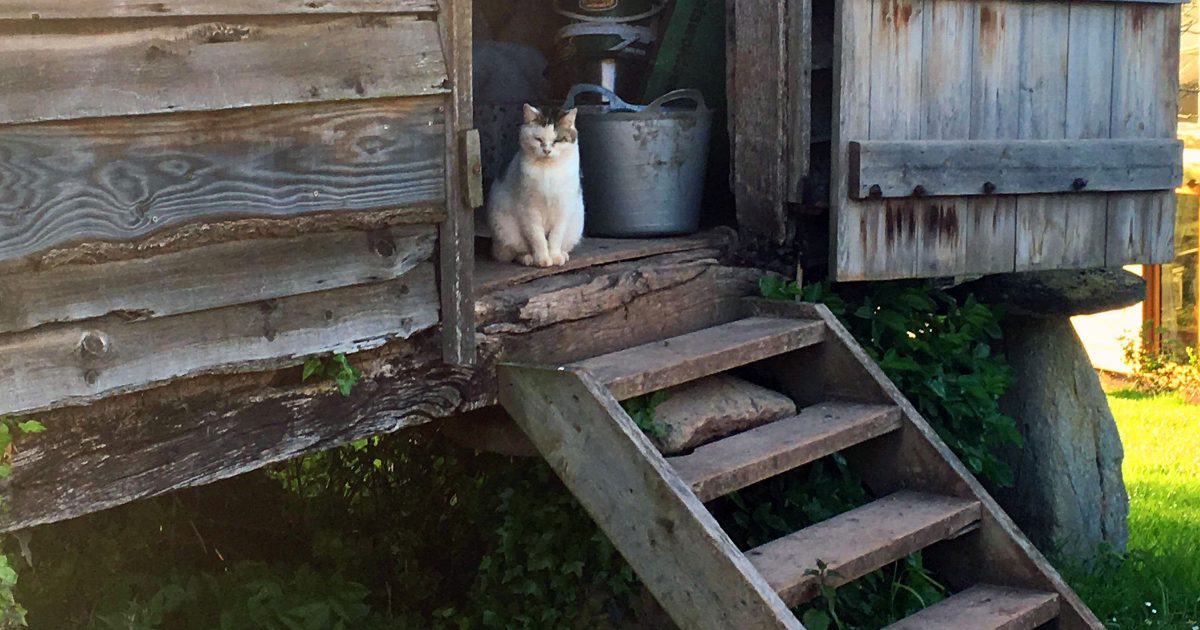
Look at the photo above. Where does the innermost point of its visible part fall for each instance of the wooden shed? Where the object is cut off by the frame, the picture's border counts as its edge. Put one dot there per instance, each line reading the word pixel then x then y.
pixel 198 195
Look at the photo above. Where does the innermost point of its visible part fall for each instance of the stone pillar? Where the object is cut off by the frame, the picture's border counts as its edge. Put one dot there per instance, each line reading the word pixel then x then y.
pixel 1068 495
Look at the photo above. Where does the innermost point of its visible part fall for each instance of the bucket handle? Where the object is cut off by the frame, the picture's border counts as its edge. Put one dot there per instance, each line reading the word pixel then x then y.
pixel 678 95
pixel 615 102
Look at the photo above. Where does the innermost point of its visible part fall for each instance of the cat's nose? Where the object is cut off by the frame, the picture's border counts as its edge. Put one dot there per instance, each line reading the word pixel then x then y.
pixel 546 151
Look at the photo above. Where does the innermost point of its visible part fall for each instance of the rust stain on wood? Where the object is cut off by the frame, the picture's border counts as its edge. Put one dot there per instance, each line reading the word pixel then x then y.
pixel 943 221
pixel 896 12
pixel 900 222
pixel 1137 17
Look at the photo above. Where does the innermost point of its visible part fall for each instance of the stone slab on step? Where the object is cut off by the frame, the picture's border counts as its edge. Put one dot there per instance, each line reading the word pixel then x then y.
pixel 715 406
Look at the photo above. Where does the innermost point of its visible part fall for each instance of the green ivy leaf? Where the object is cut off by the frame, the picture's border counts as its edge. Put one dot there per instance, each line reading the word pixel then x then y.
pixel 31 426
pixel 815 619
pixel 310 367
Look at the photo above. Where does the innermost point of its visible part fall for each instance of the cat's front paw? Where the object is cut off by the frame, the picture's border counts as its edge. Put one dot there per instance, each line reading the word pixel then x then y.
pixel 530 260
pixel 559 258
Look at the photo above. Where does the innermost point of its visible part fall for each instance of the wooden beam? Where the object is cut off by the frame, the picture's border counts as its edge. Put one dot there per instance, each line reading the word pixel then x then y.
pixel 84 9
pixel 76 363
pixel 125 178
pixel 211 276
pixel 457 237
pixel 198 430
pixel 64 69
pixel 967 167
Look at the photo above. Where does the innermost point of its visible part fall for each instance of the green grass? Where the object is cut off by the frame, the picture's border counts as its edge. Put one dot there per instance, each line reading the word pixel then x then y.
pixel 1156 584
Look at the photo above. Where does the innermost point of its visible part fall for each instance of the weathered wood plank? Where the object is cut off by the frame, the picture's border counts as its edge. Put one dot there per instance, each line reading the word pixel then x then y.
pixel 663 531
pixel 964 167
pixel 985 607
pixel 83 9
pixel 946 102
pixel 995 84
pixel 1145 86
pixel 798 68
pixel 210 277
pixel 851 117
pixel 123 178
pixel 721 467
pixel 457 235
pixel 860 541
pixel 64 69
pixel 760 124
pixel 75 363
pixel 661 364
pixel 1052 232
pixel 127 447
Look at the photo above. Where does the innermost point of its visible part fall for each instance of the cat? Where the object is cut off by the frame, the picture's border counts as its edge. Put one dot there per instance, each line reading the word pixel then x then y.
pixel 535 210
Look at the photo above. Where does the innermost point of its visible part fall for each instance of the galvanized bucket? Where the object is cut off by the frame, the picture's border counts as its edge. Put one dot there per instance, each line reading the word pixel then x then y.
pixel 643 166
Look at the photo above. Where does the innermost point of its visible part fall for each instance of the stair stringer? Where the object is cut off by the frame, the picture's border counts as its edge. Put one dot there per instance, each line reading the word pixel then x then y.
pixel 916 458
pixel 654 520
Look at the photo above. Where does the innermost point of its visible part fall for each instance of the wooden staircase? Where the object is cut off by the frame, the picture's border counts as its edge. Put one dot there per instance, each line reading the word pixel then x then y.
pixel 652 507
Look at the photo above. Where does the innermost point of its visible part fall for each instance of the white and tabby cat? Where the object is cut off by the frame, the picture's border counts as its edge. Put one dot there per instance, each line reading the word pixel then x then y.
pixel 535 210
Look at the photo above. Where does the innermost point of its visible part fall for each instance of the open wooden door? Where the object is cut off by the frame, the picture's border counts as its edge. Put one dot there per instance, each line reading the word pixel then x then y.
pixel 977 137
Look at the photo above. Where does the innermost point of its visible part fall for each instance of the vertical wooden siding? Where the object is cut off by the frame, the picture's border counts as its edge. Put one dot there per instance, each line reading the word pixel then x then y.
pixel 995 70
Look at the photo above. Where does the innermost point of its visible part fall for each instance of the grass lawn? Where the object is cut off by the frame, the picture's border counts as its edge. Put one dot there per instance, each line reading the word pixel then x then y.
pixel 1157 583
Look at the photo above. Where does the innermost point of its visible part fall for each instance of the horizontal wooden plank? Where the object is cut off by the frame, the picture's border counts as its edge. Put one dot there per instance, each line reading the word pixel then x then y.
pixel 123 178
pixel 658 364
pixel 65 69
pixel 985 607
pixel 217 275
pixel 721 467
pixel 81 9
pixel 859 541
pixel 78 363
pixel 978 167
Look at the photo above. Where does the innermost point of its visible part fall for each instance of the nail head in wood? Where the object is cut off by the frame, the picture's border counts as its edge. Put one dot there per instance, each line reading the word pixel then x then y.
pixel 918 191
pixel 94 344
pixel 875 192
pixel 989 188
pixel 1079 183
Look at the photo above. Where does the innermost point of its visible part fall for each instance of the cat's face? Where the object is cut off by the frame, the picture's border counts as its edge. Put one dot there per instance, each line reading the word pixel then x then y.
pixel 548 138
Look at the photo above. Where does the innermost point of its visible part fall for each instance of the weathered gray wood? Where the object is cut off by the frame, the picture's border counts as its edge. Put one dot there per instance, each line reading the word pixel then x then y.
pixel 760 122
pixel 200 431
pixel 1052 232
pixel 76 363
pixel 962 167
pixel 798 69
pixel 211 276
pixel 985 607
pixel 859 541
pixel 851 121
pixel 124 448
pixel 1141 227
pixel 663 531
pixel 916 458
pixel 653 366
pixel 721 467
pixel 991 228
pixel 81 9
pixel 60 69
pixel 457 235
pixel 124 178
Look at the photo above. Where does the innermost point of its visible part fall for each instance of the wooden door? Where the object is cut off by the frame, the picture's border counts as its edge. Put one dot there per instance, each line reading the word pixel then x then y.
pixel 991 136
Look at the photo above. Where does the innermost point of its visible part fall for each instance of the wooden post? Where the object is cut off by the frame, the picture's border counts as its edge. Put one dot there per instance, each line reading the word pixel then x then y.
pixel 457 235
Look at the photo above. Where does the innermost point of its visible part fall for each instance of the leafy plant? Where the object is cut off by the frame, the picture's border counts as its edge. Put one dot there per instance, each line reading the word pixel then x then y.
pixel 641 410
pixel 1168 366
pixel 12 614
pixel 336 368
pixel 939 351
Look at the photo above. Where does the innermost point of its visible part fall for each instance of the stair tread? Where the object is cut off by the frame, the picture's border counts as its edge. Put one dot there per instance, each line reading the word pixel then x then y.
pixel 653 366
pixel 861 540
pixel 730 464
pixel 985 607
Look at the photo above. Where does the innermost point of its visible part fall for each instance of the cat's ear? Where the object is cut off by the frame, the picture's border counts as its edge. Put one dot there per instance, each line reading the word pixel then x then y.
pixel 532 114
pixel 568 119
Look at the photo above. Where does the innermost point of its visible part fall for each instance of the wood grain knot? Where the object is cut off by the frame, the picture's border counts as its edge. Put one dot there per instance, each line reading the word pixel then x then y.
pixel 94 344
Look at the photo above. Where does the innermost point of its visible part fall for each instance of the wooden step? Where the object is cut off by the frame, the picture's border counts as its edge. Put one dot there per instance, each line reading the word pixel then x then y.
pixel 721 467
pixel 861 540
pixel 653 366
pixel 985 607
